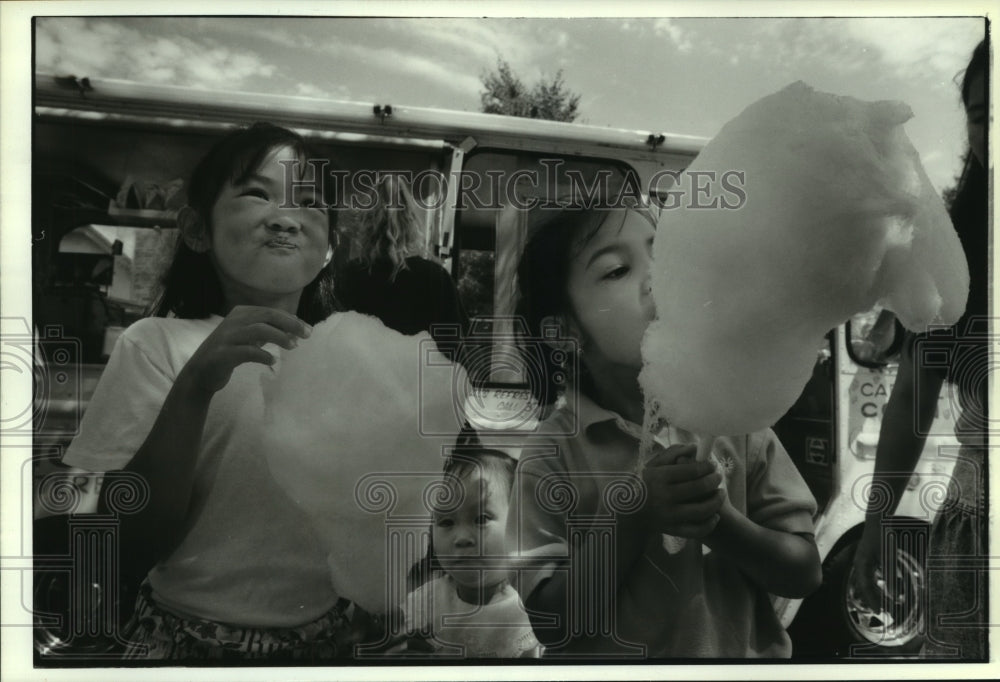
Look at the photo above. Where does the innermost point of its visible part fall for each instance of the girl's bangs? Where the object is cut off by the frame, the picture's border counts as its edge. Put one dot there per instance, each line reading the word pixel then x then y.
pixel 250 160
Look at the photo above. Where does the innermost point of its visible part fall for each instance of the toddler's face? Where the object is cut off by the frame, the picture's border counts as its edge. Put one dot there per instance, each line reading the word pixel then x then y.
pixel 609 290
pixel 475 529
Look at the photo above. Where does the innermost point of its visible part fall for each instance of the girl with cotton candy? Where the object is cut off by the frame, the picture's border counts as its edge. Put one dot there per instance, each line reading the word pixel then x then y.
pixel 839 216
pixel 587 272
pixel 237 572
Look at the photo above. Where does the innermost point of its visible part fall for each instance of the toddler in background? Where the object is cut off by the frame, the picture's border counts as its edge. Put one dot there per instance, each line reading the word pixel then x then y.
pixel 468 608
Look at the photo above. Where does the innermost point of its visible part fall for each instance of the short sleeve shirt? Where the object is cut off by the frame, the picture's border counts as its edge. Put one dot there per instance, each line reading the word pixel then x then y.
pixel 684 604
pixel 248 556
pixel 498 629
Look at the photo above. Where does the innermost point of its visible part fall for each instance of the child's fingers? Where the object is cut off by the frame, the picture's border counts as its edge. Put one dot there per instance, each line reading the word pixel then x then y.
pixel 672 455
pixel 242 354
pixel 679 473
pixel 697 488
pixel 260 333
pixel 669 517
pixel 280 319
pixel 695 511
pixel 287 323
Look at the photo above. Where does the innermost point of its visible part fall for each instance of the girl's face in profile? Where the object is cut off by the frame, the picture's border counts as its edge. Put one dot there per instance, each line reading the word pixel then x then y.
pixel 474 529
pixel 609 290
pixel 267 246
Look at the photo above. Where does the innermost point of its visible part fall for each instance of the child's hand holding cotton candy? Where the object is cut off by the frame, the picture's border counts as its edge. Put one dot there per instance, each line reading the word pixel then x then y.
pixel 838 216
pixel 684 494
pixel 359 421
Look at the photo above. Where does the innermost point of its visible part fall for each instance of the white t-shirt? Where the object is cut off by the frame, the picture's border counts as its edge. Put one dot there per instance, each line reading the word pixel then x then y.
pixel 498 629
pixel 249 556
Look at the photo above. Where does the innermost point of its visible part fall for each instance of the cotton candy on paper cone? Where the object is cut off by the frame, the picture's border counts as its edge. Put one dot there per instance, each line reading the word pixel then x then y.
pixel 839 216
pixel 358 421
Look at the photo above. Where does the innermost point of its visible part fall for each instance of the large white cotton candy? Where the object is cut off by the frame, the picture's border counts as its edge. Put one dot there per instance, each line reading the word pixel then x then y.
pixel 839 216
pixel 359 418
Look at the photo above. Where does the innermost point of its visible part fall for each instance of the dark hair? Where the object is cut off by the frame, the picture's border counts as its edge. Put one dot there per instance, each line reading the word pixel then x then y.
pixel 969 208
pixel 979 63
pixel 556 235
pixel 969 215
pixel 492 465
pixel 190 287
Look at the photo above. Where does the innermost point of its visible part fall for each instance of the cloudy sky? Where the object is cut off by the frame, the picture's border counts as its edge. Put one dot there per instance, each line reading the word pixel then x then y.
pixel 684 76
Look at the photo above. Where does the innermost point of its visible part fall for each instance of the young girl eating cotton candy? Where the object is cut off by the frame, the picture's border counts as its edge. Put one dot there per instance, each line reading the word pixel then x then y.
pixel 468 608
pixel 747 515
pixel 237 572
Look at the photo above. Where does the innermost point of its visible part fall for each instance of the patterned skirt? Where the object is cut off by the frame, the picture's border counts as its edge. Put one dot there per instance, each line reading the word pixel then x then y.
pixel 154 633
pixel 957 582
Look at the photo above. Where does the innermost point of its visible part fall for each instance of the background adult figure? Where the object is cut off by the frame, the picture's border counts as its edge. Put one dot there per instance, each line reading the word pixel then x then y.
pixel 393 278
pixel 960 529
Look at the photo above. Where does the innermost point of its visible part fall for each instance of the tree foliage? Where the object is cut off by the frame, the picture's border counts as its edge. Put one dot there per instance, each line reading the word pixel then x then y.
pixel 475 282
pixel 505 93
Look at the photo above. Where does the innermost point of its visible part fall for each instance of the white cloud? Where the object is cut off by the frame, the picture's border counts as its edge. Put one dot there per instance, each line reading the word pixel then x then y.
pixel 475 40
pixel 533 48
pixel 671 29
pixel 913 45
pixel 441 52
pixel 398 61
pixel 271 31
pixel 472 43
pixel 111 49
pixel 432 70
pixel 448 53
pixel 933 47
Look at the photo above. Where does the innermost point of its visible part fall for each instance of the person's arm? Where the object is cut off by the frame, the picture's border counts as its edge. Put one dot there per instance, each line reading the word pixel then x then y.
pixel 907 419
pixel 168 455
pixel 783 563
pixel 772 542
pixel 166 461
pixel 908 416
